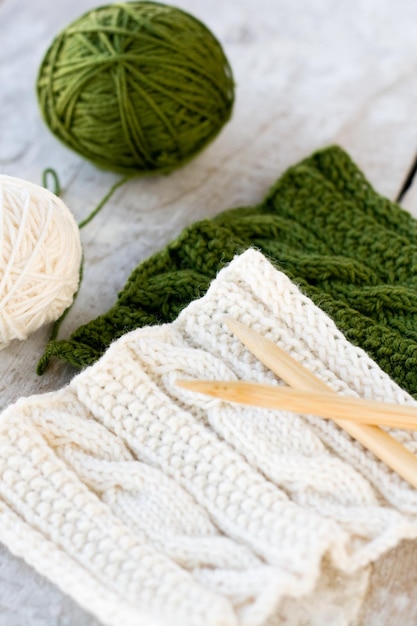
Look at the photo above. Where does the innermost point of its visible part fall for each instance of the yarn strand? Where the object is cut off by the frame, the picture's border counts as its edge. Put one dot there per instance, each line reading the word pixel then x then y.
pixel 58 322
pixel 43 362
pixel 104 200
pixel 50 172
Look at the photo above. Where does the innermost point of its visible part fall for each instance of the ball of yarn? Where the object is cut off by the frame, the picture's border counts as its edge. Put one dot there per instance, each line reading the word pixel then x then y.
pixel 40 257
pixel 139 87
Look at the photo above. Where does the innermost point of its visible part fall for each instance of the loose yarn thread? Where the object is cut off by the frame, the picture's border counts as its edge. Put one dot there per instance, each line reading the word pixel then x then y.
pixel 139 87
pixel 40 256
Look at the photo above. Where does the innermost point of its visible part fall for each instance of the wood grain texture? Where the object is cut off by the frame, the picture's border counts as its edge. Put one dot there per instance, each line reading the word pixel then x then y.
pixel 307 74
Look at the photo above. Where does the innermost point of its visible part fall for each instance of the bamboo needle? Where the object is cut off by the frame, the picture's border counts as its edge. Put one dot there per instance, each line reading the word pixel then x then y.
pixel 327 405
pixel 296 375
pixel 387 449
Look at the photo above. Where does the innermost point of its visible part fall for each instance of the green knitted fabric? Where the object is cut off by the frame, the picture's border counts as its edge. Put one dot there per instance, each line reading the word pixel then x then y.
pixel 353 252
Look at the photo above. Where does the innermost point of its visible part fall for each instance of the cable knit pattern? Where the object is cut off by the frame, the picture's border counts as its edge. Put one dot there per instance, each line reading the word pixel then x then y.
pixel 352 252
pixel 150 504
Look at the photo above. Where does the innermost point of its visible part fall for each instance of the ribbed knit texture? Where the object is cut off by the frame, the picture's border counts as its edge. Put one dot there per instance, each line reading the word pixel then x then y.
pixel 349 249
pixel 152 505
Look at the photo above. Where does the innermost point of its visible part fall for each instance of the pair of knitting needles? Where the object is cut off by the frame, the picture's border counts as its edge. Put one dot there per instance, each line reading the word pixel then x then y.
pixel 308 395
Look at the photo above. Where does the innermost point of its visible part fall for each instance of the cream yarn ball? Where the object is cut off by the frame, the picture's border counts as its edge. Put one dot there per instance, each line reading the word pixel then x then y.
pixel 40 257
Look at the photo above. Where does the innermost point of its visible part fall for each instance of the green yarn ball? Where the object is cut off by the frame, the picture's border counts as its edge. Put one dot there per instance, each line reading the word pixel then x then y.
pixel 138 87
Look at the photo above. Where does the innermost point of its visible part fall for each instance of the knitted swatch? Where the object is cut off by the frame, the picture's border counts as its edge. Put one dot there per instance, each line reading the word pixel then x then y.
pixel 152 505
pixel 353 252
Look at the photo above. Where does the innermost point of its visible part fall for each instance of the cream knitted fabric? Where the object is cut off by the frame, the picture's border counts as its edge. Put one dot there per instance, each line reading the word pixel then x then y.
pixel 152 505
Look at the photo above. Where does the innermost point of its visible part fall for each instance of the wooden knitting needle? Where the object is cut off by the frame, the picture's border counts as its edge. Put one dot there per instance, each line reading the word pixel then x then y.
pixel 327 405
pixel 387 449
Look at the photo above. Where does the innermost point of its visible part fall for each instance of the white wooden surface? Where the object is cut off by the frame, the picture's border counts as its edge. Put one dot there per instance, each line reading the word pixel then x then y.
pixel 308 73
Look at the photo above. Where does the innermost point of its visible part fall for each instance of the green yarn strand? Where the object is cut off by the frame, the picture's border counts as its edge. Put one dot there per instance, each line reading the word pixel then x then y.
pixel 137 88
pixel 50 173
pixel 103 201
